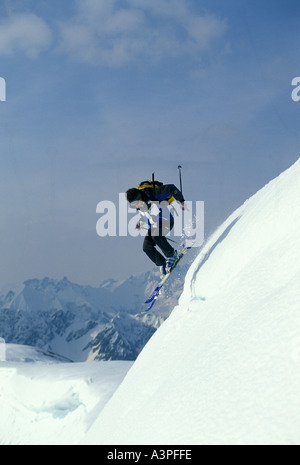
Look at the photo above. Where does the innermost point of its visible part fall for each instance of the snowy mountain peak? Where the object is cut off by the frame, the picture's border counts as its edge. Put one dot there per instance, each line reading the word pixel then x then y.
pixel 82 322
pixel 49 283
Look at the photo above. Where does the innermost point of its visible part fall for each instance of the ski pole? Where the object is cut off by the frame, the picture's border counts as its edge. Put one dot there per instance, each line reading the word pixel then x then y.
pixel 153 180
pixel 180 177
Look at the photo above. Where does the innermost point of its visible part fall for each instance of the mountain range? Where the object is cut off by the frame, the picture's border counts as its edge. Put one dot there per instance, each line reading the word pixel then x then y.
pixel 87 323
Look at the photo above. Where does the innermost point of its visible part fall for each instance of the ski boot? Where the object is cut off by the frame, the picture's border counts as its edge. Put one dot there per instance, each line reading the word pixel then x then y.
pixel 171 262
pixel 163 270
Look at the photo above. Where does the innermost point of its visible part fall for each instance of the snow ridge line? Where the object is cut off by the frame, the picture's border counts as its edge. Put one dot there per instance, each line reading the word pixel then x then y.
pixel 216 238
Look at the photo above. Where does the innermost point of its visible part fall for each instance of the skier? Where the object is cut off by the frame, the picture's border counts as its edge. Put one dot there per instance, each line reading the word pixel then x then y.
pixel 152 200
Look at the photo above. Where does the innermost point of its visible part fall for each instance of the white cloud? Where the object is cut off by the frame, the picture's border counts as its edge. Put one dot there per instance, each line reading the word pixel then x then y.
pixel 24 33
pixel 104 32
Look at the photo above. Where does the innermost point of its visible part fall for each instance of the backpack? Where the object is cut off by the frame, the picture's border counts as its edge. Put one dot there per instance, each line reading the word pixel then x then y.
pixel 147 186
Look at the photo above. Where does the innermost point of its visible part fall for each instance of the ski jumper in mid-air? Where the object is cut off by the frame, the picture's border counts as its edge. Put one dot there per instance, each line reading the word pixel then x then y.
pixel 152 199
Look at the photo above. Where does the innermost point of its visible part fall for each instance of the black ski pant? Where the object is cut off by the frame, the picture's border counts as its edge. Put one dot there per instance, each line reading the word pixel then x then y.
pixel 156 237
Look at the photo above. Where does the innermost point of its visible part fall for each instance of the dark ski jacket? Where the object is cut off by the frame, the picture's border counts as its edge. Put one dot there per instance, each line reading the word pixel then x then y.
pixel 159 194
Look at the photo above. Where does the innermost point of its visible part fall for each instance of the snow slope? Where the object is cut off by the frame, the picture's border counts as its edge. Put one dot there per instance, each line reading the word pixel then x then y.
pixel 44 402
pixel 225 367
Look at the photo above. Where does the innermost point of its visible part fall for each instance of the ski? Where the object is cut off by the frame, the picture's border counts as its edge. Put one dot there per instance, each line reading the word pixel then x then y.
pixel 157 291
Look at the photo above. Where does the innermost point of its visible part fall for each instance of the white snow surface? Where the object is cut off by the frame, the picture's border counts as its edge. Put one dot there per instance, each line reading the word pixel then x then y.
pixel 44 402
pixel 223 369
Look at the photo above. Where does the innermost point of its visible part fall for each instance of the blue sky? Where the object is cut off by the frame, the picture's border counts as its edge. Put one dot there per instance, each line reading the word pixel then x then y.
pixel 101 93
